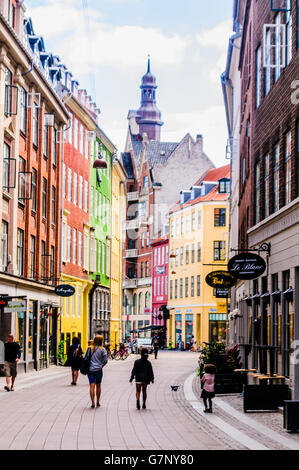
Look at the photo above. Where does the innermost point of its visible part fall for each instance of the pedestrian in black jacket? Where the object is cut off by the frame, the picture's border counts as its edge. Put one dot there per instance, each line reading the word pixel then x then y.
pixel 12 354
pixel 143 373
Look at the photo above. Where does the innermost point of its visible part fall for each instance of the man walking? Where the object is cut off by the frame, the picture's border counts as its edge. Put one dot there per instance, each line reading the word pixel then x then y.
pixel 12 354
pixel 155 344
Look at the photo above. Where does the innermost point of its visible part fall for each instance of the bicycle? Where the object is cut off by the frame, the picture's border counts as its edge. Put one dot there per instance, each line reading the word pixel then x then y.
pixel 122 353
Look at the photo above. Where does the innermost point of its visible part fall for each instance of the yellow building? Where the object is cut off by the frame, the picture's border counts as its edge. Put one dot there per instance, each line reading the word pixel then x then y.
pixel 118 215
pixel 197 246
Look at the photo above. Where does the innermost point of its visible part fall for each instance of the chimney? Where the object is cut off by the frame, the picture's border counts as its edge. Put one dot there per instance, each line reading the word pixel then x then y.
pixel 199 141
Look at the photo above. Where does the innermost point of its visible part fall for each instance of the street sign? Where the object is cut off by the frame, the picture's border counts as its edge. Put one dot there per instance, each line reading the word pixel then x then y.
pixel 246 266
pixel 222 292
pixel 220 279
pixel 64 290
pixel 15 306
pixel 3 303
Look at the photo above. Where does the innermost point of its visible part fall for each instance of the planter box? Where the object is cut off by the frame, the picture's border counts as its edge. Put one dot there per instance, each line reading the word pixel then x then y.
pixel 229 383
pixel 265 397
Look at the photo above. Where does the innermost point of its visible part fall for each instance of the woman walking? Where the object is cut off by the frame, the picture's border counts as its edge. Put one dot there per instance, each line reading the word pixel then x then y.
pixel 143 373
pixel 74 359
pixel 208 386
pixel 98 360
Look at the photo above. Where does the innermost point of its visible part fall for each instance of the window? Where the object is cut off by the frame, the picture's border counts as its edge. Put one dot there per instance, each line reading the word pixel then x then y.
pixel 35 126
pixel 268 62
pixel 80 191
pixel 276 178
pixel 219 217
pixel 192 286
pixel 142 209
pixel 219 249
pixel 145 182
pixel 172 228
pixel 193 253
pixel 76 135
pixel 182 255
pixel 86 196
pixel 257 193
pixel 52 264
pixel 171 290
pixel 63 180
pixel 258 76
pixel 6 167
pixel 187 254
pixel 182 225
pixel 69 188
pixel 96 214
pixel 177 230
pixel 181 287
pixel 267 186
pixel 188 227
pixel 22 169
pixel 142 244
pixel 289 32
pixel 53 218
pixel 288 167
pixel 186 287
pixel 69 242
pixel 44 199
pixel 43 261
pixel 224 186
pixel 23 111
pixel 54 140
pixel 198 286
pixel 147 238
pixel 71 129
pixel 81 139
pixel 199 219
pixel 199 251
pixel 4 246
pixel 32 257
pixel 46 140
pixel 33 189
pixel 278 51
pixel 155 286
pixel 20 248
pixel 80 248
pixel 91 202
pixel 86 146
pixel 146 269
pixel 176 289
pixel 75 190
pixel 142 269
pixel 8 92
pixel 177 257
pixel 193 220
pixel 74 246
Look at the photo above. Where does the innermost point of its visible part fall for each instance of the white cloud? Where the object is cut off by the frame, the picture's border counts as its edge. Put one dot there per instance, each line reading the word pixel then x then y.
pixel 217 36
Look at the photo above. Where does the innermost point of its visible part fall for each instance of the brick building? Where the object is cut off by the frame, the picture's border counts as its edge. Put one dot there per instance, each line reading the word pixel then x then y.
pixel 269 203
pixel 154 178
pixel 31 124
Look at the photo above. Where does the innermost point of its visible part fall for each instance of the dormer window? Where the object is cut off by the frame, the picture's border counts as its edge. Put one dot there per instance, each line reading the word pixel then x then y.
pixel 224 186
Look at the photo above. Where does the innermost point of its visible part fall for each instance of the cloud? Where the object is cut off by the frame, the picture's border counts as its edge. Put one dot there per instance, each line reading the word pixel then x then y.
pixel 217 36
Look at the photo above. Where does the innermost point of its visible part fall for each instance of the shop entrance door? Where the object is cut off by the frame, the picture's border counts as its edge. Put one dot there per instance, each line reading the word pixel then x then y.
pixel 43 341
pixel 53 336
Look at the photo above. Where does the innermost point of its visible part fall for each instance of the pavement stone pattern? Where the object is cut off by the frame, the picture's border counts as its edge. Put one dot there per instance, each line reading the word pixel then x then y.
pixel 46 412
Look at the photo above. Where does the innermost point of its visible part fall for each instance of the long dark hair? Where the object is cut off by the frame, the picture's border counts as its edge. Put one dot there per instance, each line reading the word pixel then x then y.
pixel 210 369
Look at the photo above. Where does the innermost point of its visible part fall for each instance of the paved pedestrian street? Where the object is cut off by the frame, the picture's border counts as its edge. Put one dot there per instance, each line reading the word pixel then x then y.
pixel 46 412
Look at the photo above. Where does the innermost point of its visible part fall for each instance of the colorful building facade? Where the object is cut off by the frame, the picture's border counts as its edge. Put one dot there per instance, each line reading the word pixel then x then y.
pixel 198 245
pixel 100 252
pixel 160 283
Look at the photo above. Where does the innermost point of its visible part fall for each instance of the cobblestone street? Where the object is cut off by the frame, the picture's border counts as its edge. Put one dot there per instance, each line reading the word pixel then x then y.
pixel 45 412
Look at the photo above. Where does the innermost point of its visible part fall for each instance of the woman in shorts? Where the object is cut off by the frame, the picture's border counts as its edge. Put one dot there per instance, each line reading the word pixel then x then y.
pixel 98 360
pixel 143 373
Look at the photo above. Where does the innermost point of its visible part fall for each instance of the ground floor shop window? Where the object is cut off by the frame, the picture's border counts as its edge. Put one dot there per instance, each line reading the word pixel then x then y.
pixel 188 330
pixel 217 327
pixel 30 332
pixel 20 332
pixel 178 330
pixel 43 341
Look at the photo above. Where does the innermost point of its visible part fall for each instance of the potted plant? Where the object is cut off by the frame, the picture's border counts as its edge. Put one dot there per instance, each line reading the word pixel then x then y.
pixel 226 361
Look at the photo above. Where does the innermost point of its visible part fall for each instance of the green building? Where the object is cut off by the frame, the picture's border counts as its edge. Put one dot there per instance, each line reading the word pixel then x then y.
pixel 100 237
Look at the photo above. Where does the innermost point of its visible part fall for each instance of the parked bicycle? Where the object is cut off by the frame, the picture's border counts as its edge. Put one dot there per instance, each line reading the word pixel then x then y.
pixel 122 353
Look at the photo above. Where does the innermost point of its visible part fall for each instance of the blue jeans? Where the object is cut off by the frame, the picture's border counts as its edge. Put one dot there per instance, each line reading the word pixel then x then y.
pixel 95 377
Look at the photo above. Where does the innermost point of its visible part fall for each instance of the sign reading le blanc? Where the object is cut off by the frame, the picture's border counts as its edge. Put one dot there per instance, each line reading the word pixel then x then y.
pixel 246 266
pixel 64 290
pixel 220 279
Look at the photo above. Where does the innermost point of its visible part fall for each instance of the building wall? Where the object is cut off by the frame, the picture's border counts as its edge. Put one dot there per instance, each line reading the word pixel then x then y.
pixel 198 307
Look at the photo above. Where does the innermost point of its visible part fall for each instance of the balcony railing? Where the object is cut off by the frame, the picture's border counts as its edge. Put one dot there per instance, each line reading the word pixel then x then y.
pixel 132 253
pixel 134 196
pixel 130 283
pixel 144 281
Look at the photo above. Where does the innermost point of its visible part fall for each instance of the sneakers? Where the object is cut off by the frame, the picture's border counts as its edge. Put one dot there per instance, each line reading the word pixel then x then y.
pixel 143 406
pixel 138 404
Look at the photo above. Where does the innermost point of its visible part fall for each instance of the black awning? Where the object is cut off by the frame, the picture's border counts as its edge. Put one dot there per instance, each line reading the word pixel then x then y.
pixel 276 295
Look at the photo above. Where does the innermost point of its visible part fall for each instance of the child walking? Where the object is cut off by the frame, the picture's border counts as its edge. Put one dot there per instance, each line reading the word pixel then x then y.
pixel 208 386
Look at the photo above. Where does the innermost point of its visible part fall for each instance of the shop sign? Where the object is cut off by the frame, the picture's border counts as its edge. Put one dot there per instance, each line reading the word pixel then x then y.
pixel 147 311
pixel 221 308
pixel 222 292
pixel 246 266
pixel 64 290
pixel 15 306
pixel 160 270
pixel 220 279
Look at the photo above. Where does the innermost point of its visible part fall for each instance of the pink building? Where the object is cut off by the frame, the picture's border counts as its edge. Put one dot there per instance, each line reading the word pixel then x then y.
pixel 159 279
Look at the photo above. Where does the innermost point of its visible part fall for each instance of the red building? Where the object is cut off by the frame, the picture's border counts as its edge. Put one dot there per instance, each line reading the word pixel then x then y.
pixel 159 278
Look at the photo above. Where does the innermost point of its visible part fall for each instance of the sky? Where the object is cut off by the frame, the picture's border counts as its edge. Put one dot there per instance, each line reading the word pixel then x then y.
pixel 105 44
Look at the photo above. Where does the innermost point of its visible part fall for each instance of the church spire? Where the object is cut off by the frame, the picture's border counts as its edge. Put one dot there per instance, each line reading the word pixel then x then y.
pixel 148 115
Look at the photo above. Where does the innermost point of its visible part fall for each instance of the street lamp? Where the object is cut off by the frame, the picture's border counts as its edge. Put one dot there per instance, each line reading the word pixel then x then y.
pixel 100 162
